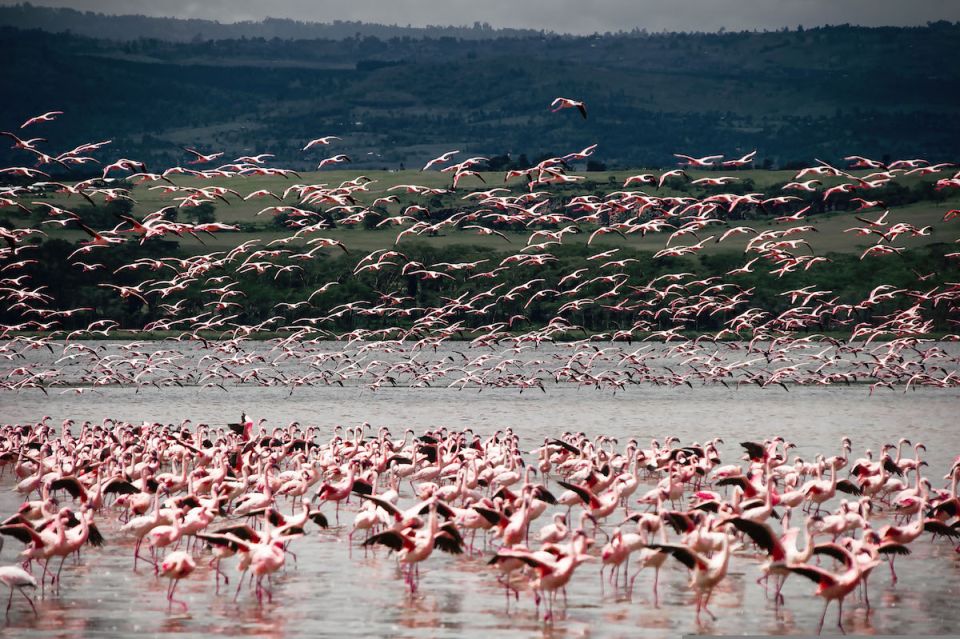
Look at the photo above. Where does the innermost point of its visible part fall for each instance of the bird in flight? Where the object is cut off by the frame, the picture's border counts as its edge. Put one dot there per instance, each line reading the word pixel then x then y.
pixel 567 103
pixel 320 141
pixel 443 159
pixel 200 158
pixel 49 116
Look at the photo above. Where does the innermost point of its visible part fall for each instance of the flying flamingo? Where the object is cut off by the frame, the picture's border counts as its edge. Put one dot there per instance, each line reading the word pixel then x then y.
pixel 705 162
pixel 567 103
pixel 49 116
pixel 442 159
pixel 324 141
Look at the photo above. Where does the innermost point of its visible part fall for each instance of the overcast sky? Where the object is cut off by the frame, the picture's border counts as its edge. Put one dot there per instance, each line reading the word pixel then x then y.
pixel 569 16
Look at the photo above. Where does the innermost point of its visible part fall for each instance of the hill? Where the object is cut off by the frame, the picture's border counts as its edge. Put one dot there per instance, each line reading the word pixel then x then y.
pixel 792 95
pixel 133 27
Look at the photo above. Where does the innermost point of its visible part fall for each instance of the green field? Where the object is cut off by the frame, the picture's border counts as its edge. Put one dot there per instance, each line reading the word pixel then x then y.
pixel 830 236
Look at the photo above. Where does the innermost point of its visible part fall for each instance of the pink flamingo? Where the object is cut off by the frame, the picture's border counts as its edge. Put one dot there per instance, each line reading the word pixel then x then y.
pixel 16 577
pixel 176 565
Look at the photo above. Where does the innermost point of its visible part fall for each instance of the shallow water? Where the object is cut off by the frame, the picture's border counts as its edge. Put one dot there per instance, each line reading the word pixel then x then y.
pixel 330 590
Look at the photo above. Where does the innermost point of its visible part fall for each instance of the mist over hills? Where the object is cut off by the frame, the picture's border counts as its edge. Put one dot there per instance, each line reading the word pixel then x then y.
pixel 399 97
pixel 133 27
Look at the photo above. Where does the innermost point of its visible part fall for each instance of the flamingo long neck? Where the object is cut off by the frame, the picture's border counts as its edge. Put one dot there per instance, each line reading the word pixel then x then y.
pixel 807 539
pixel 724 554
pixel 84 526
pixel 921 516
pixel 267 488
pixel 304 514
pixel 434 525
pixel 156 505
pixel 61 531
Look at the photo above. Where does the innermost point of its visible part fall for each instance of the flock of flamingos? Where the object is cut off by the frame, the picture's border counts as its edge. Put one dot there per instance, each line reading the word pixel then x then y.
pixel 241 497
pixel 485 304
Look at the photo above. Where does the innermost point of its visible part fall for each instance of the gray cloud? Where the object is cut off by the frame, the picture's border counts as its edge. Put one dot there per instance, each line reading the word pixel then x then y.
pixel 571 16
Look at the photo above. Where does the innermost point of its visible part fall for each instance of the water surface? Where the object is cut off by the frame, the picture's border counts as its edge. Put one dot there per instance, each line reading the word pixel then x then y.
pixel 331 591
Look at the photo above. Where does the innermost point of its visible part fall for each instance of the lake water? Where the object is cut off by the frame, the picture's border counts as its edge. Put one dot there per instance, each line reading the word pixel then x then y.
pixel 331 591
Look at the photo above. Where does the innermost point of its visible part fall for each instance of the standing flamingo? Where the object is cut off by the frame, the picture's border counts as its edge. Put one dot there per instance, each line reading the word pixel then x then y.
pixel 16 577
pixel 176 565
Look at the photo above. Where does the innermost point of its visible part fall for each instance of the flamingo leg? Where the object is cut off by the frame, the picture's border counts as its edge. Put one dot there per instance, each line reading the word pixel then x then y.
pixel 826 604
pixel 778 596
pixel 840 615
pixel 656 591
pixel 62 559
pixel 239 586
pixel 43 577
pixel 173 588
pixel 706 601
pixel 29 601
pixel 215 564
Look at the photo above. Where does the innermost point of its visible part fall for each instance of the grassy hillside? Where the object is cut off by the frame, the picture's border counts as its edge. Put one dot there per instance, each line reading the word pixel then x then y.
pixel 794 95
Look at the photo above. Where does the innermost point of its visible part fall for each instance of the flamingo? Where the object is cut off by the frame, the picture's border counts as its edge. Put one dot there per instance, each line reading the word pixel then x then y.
pixel 707 572
pixel 176 565
pixel 15 577
pixel 834 586
pixel 324 141
pixel 704 162
pixel 554 574
pixel 415 546
pixel 49 116
pixel 567 103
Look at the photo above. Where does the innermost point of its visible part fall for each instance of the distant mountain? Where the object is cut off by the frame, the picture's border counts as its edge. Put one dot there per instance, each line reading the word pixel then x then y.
pixel 134 27
pixel 791 95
